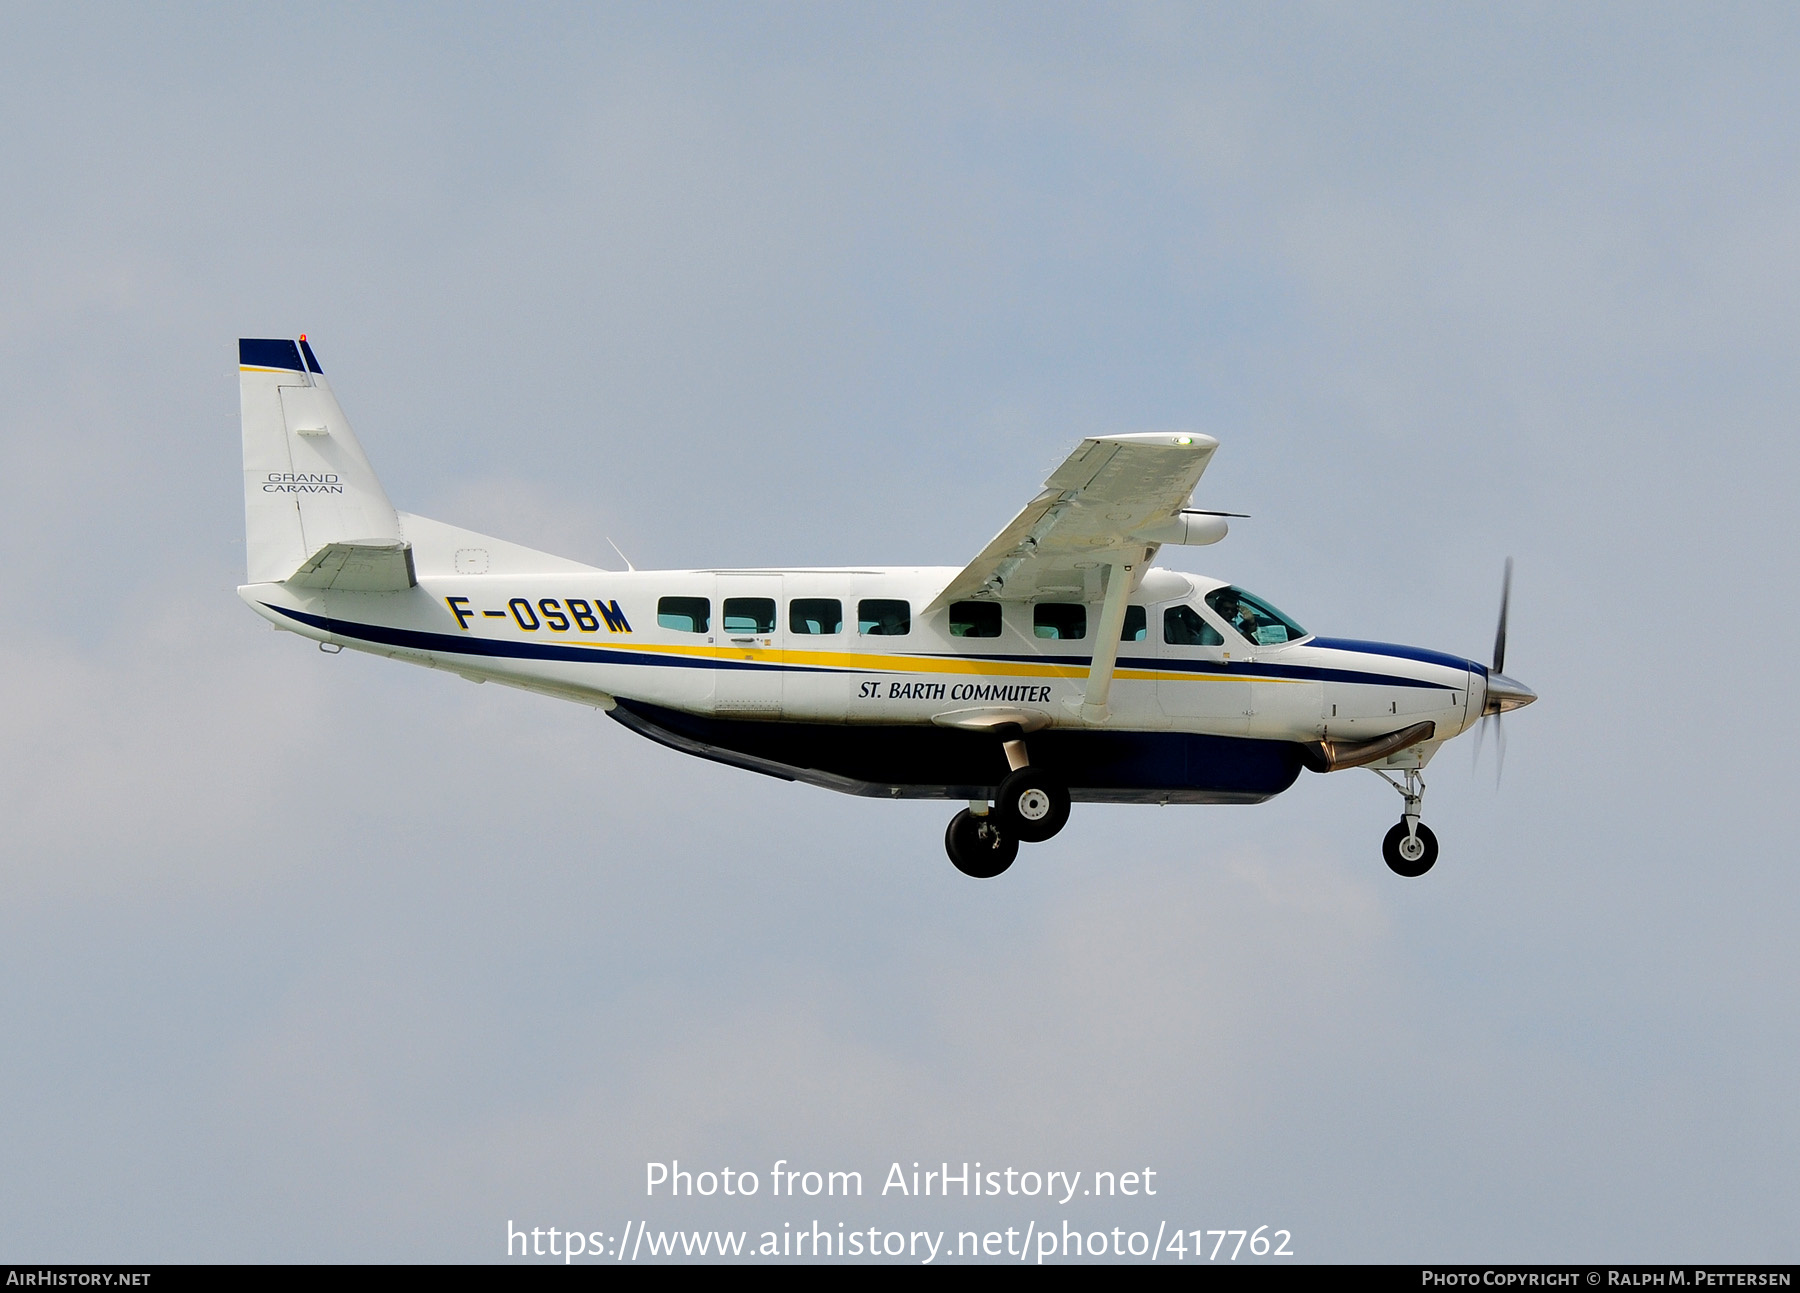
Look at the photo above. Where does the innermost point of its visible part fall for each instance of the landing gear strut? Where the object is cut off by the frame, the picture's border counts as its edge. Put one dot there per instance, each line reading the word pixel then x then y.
pixel 1410 848
pixel 1030 807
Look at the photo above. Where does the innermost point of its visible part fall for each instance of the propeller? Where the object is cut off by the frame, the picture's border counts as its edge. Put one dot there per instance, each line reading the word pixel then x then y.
pixel 1500 630
pixel 1502 692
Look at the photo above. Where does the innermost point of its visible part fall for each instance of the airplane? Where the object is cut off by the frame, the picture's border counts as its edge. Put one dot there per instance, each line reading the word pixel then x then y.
pixel 1060 665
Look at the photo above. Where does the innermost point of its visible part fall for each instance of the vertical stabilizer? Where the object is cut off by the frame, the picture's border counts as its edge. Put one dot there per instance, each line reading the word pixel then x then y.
pixel 307 485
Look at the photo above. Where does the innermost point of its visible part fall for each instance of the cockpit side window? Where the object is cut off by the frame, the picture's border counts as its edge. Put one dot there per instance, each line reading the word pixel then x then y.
pixel 1258 621
pixel 1183 626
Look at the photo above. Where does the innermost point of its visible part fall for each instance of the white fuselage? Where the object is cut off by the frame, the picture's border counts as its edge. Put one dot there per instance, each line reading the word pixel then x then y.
pixel 598 636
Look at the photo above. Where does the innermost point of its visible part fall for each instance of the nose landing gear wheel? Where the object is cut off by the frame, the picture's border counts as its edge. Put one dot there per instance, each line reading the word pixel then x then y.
pixel 1031 806
pixel 978 846
pixel 1410 857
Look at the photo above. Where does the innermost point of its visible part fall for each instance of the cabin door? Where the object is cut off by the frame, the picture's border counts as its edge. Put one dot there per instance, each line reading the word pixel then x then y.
pixel 747 681
pixel 1198 690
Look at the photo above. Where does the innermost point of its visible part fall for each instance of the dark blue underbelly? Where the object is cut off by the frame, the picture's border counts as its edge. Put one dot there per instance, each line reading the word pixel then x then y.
pixel 944 763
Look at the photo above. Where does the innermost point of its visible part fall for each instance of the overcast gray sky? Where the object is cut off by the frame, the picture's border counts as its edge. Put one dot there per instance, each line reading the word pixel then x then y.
pixel 326 958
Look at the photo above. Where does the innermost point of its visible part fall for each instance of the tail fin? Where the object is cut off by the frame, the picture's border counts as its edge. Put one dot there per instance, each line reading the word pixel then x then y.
pixel 314 513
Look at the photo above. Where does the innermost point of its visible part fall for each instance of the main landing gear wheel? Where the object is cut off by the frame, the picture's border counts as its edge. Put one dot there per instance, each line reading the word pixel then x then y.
pixel 1410 855
pixel 1031 806
pixel 978 846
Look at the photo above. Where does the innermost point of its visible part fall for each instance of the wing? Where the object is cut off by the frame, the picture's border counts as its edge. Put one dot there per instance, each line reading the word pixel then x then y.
pixel 1115 499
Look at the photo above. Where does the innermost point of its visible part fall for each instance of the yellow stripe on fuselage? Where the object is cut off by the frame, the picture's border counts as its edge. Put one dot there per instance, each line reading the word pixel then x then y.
pixel 855 661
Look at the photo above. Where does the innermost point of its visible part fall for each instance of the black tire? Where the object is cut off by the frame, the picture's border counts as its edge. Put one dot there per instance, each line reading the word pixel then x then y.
pixel 1032 806
pixel 977 845
pixel 1393 850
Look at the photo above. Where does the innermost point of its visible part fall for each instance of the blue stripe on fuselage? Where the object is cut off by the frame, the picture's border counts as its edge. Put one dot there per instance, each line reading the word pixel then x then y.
pixel 1399 652
pixel 462 644
pixel 1237 668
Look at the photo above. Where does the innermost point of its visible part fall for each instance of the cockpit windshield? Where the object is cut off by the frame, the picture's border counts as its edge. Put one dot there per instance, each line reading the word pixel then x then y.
pixel 1258 621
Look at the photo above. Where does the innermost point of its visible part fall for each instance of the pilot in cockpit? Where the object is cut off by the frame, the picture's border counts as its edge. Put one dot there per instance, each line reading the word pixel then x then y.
pixel 1236 614
pixel 1259 622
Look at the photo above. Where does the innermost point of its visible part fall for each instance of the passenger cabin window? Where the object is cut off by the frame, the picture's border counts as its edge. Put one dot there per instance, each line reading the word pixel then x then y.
pixel 1182 626
pixel 1135 629
pixel 747 616
pixel 1066 620
pixel 684 614
pixel 974 619
pixel 883 617
pixel 1258 621
pixel 815 615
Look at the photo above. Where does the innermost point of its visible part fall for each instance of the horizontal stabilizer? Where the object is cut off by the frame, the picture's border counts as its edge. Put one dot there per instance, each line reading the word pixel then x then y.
pixel 440 549
pixel 375 566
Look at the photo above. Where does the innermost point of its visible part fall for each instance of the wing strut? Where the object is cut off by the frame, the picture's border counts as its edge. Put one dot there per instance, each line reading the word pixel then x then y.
pixel 1106 646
